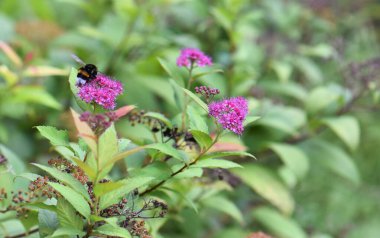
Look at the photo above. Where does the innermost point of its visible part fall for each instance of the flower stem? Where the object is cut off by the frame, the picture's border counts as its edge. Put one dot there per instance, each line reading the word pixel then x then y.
pixel 186 99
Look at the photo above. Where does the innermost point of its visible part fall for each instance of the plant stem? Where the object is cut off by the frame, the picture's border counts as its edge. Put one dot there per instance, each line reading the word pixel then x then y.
pixel 186 103
pixel 185 166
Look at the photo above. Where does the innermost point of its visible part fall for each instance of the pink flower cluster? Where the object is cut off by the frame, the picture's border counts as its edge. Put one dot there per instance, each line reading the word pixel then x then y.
pixel 230 113
pixel 102 90
pixel 193 56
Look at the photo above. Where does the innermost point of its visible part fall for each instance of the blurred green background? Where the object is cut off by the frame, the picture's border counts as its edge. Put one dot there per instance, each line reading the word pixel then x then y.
pixel 310 70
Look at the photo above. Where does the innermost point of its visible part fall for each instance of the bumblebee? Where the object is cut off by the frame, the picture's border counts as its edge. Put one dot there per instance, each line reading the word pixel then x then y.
pixel 86 73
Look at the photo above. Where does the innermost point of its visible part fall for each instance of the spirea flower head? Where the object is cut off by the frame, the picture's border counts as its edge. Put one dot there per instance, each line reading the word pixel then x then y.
pixel 193 56
pixel 102 90
pixel 230 113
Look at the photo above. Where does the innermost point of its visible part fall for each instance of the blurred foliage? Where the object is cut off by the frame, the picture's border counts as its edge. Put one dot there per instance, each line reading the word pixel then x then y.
pixel 310 70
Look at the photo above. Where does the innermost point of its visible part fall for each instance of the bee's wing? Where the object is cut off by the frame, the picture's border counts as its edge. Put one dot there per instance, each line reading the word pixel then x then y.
pixel 77 59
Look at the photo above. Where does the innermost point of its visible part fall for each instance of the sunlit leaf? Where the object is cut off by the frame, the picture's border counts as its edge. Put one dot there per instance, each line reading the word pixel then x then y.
pixel 293 157
pixel 55 136
pixel 267 185
pixel 347 128
pixel 74 198
pixel 196 99
pixel 67 179
pixel 224 205
pixel 278 224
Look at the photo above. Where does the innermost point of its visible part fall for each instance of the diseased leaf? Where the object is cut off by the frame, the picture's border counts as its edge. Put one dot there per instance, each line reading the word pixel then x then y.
pixel 74 198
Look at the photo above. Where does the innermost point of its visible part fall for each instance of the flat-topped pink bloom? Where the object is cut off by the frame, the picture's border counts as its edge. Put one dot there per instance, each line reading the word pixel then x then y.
pixel 195 56
pixel 230 113
pixel 102 90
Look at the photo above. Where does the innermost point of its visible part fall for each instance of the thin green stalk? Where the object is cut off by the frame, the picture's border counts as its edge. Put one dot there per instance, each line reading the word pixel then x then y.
pixel 219 132
pixel 186 103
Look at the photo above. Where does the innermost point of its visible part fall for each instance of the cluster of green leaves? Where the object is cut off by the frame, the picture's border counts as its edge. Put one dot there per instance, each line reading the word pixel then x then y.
pixel 290 60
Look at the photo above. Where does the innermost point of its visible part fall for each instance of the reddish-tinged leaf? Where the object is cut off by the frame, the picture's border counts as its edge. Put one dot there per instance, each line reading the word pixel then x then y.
pixel 11 54
pixel 227 146
pixel 85 132
pixel 124 110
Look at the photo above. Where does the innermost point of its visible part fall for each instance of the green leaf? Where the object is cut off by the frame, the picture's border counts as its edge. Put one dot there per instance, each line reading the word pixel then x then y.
pixel 177 94
pixel 214 71
pixel 91 173
pixel 226 154
pixel 279 225
pixel 293 157
pixel 102 188
pixel 320 98
pixel 17 164
pixel 189 173
pixel 286 119
pixel 67 216
pixel 166 149
pixel 66 179
pixel 347 128
pixel 196 99
pixel 249 120
pixel 159 117
pixel 128 185
pixel 68 232
pixel 34 94
pixel 197 121
pixel 48 222
pixel 216 163
pixel 74 198
pixel 110 230
pixel 333 158
pixel 124 154
pixel 168 68
pixel 159 170
pixel 56 137
pixel 282 69
pixel 224 205
pixel 267 185
pixel 107 147
pixel 203 139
